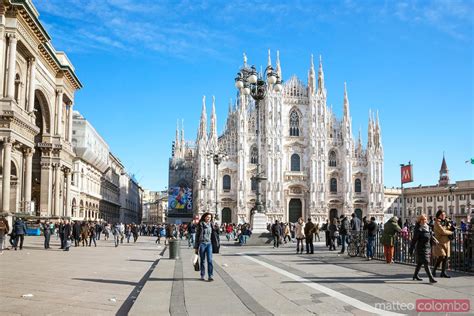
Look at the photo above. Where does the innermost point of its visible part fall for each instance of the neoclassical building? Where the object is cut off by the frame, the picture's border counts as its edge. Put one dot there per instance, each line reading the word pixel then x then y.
pixel 36 104
pixel 313 164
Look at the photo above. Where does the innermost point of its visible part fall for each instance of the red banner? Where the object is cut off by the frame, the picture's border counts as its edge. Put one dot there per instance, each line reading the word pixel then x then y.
pixel 407 174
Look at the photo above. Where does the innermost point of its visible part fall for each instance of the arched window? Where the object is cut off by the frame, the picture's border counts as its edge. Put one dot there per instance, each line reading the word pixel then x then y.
pixel 295 162
pixel 253 155
pixel 17 87
pixel 294 123
pixel 226 183
pixel 357 186
pixel 333 186
pixel 332 159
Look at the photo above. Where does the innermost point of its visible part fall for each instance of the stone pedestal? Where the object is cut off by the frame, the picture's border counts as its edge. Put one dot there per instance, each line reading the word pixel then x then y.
pixel 259 223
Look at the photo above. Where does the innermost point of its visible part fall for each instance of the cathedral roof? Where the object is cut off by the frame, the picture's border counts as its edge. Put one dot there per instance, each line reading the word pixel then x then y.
pixel 295 88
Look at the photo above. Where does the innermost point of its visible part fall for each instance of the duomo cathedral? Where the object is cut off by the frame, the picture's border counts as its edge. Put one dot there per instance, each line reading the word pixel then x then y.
pixel 313 165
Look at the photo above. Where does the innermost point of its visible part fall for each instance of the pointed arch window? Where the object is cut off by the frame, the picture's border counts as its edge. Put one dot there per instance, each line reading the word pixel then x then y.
pixel 226 183
pixel 333 185
pixel 357 186
pixel 253 184
pixel 253 155
pixel 332 159
pixel 295 162
pixel 294 123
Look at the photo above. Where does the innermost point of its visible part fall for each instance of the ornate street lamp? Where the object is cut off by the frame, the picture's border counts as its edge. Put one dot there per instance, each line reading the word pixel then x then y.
pixel 249 82
pixel 217 158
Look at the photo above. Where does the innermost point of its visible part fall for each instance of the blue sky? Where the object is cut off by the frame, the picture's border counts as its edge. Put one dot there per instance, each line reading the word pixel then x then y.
pixel 146 63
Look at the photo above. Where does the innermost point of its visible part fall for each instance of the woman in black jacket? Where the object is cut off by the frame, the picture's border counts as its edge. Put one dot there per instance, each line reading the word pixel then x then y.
pixel 203 246
pixel 421 242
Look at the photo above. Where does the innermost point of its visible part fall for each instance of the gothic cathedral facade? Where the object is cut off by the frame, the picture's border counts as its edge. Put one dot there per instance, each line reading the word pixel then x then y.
pixel 313 165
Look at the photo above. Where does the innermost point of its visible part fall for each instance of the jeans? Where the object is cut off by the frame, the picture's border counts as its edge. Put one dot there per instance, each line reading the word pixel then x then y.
pixel 343 243
pixel 47 237
pixel 92 239
pixel 192 239
pixel 117 239
pixel 309 244
pixel 370 246
pixel 298 242
pixel 21 238
pixel 276 241
pixel 243 239
pixel 98 235
pixel 205 249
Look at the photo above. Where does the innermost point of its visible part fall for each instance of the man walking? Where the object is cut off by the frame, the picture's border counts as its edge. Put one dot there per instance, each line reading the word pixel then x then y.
pixel 76 233
pixel 67 231
pixel 20 232
pixel 371 232
pixel 276 233
pixel 46 234
pixel 309 230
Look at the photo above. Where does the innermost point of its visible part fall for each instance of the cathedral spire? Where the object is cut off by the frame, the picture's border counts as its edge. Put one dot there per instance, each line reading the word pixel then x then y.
pixel 202 134
pixel 177 143
pixel 278 67
pixel 359 142
pixel 312 78
pixel 269 62
pixel 370 131
pixel 213 131
pixel 346 104
pixel 321 88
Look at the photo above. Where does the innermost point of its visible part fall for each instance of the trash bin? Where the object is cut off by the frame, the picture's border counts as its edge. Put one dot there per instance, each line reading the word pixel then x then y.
pixel 174 248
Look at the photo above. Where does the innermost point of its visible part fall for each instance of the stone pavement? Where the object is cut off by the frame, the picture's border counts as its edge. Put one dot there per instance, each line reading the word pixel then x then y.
pixel 134 279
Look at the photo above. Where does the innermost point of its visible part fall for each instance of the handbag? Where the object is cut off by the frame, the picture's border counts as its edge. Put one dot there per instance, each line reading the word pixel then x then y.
pixel 196 263
pixel 336 234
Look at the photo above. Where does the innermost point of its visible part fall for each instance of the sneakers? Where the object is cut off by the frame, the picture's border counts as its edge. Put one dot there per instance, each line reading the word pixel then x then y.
pixel 210 279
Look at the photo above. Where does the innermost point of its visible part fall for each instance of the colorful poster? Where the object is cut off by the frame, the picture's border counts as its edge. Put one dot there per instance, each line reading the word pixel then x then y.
pixel 180 198
pixel 407 174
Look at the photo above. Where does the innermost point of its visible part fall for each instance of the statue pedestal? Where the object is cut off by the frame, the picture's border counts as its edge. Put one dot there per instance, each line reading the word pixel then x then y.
pixel 259 223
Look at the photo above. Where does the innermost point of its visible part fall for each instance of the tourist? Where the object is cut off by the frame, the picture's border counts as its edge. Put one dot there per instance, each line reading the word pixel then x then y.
pixel 20 231
pixel 229 230
pixel 4 229
pixel 92 235
pixel 333 233
pixel 421 242
pixel 287 233
pixel 316 232
pixel 299 233
pixel 46 234
pixel 128 232
pixel 116 233
pixel 371 233
pixel 442 250
pixel 107 231
pixel 192 231
pixel 66 235
pixel 84 233
pixel 134 230
pixel 98 230
pixel 203 244
pixel 388 238
pixel 325 228
pixel 343 231
pixel 76 233
pixel 276 233
pixel 309 229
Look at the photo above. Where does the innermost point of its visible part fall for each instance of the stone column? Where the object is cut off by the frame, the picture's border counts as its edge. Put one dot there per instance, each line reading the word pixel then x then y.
pixel 59 113
pixel 69 136
pixel 68 193
pixel 7 158
pixel 11 65
pixel 31 94
pixel 57 189
pixel 28 174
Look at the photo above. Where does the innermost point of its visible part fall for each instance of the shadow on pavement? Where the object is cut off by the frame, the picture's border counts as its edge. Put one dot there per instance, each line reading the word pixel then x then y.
pixel 108 281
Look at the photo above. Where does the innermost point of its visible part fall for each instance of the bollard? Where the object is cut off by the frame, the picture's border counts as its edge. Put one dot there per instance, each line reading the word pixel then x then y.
pixel 174 248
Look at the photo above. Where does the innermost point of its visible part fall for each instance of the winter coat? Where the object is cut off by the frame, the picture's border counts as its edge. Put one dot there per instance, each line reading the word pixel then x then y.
pixel 200 236
pixel 76 230
pixel 4 227
pixel 332 229
pixel 276 230
pixel 309 229
pixel 355 224
pixel 371 229
pixel 421 242
pixel 19 227
pixel 299 230
pixel 389 230
pixel 67 230
pixel 344 226
pixel 443 248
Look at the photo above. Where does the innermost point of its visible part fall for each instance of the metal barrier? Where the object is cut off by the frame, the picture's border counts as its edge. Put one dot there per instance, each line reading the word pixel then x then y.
pixel 461 258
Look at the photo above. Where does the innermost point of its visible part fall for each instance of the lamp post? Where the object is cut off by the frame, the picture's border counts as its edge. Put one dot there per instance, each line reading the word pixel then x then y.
pixel 217 157
pixel 248 82
pixel 452 188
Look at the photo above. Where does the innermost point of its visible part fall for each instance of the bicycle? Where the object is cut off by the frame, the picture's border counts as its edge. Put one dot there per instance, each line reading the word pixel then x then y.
pixel 356 246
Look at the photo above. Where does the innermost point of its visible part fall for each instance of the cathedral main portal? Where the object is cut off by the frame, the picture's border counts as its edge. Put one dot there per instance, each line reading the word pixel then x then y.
pixel 295 210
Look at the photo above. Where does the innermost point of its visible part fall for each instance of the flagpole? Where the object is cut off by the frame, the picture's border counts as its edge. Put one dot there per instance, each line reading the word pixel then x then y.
pixel 403 200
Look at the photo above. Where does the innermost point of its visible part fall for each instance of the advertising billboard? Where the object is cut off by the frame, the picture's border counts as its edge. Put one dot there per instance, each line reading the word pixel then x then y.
pixel 180 198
